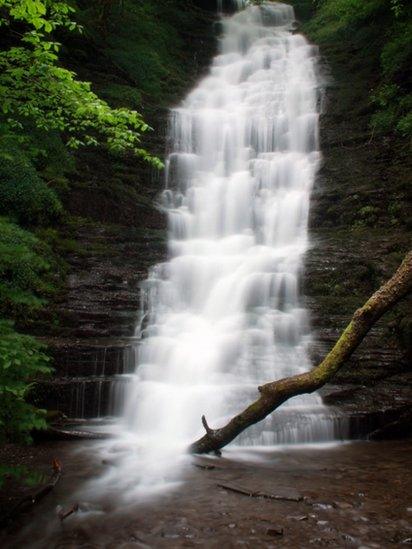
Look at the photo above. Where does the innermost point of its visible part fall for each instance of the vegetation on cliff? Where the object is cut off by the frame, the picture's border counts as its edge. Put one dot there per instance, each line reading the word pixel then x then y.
pixel 383 30
pixel 361 212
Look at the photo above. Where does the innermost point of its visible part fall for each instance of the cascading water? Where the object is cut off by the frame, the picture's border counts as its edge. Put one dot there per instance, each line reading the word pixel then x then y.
pixel 223 314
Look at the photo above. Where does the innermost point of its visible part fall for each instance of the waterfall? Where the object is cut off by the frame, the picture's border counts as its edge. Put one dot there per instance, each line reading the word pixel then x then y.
pixel 237 4
pixel 224 313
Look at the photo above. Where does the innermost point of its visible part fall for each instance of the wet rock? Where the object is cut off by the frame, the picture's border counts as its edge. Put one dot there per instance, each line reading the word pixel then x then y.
pixel 274 531
pixel 342 505
pixel 379 411
pixel 340 396
pixel 400 428
pixel 133 545
pixel 323 506
pixel 316 541
pixel 347 538
pixel 93 342
pixel 298 517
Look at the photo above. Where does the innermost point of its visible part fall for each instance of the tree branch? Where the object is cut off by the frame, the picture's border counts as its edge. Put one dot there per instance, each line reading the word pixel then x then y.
pixel 275 393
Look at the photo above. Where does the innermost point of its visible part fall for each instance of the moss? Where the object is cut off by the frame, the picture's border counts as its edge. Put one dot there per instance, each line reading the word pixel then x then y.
pixel 60 244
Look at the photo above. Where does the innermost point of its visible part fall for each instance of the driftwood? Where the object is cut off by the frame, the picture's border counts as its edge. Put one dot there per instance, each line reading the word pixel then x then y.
pixel 64 514
pixel 58 433
pixel 32 498
pixel 258 494
pixel 275 393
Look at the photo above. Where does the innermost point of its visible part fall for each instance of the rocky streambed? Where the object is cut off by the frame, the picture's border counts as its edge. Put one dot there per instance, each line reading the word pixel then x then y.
pixel 351 495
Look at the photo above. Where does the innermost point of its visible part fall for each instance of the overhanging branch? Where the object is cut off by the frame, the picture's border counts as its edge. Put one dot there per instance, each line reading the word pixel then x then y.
pixel 275 393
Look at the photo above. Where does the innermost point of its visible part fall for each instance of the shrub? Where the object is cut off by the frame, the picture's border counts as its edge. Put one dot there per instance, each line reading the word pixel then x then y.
pixel 121 95
pixel 21 360
pixel 24 268
pixel 34 87
pixel 382 29
pixel 23 194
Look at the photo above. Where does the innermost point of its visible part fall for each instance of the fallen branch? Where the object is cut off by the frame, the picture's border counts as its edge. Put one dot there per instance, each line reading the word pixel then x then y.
pixel 64 514
pixel 258 494
pixel 57 433
pixel 273 394
pixel 32 498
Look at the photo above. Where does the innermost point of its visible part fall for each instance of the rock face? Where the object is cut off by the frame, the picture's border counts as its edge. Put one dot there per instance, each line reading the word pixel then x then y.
pixel 360 230
pixel 98 316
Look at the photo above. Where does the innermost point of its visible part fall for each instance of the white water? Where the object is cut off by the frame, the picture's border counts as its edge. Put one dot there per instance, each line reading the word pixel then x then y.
pixel 224 314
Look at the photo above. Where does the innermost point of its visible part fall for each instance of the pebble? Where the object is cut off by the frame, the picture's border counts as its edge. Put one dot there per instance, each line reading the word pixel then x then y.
pixel 299 517
pixel 322 506
pixel 343 505
pixel 274 531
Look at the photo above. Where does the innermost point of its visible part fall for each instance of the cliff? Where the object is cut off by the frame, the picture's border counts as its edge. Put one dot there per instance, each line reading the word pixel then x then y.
pixel 114 232
pixel 359 224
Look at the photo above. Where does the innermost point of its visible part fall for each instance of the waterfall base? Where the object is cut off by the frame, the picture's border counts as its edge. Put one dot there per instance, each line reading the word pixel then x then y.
pixel 345 503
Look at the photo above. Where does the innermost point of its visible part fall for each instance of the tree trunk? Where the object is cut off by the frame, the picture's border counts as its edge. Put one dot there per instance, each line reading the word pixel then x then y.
pixel 275 393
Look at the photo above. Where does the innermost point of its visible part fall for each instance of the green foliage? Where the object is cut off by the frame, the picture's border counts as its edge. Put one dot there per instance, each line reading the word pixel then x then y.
pixel 122 95
pixel 25 282
pixel 397 51
pixel 23 194
pixel 144 39
pixel 368 216
pixel 404 125
pixel 24 271
pixel 21 360
pixel 397 7
pixel 22 474
pixel 34 86
pixel 383 30
pixel 339 15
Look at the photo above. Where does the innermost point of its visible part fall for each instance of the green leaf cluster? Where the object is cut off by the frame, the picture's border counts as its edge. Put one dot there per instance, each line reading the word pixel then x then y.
pixel 24 195
pixel 25 277
pixel 22 474
pixel 22 360
pixel 34 86
pixel 24 283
